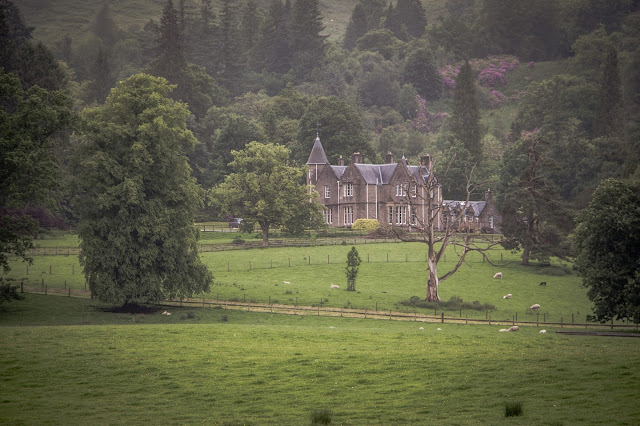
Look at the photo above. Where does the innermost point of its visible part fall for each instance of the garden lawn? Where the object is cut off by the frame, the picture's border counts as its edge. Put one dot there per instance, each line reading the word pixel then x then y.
pixel 228 367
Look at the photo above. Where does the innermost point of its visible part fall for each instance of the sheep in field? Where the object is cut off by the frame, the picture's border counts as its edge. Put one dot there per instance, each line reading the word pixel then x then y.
pixel 543 331
pixel 508 296
pixel 535 306
pixel 286 282
pixel 543 283
pixel 335 286
pixel 498 275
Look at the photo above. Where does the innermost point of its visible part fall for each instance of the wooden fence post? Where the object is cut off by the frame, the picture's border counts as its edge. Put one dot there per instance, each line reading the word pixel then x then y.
pixel 21 286
pixel 442 318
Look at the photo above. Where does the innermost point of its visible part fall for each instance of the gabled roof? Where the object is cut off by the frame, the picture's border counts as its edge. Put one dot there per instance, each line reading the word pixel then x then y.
pixel 317 155
pixel 474 206
pixel 338 170
pixel 376 173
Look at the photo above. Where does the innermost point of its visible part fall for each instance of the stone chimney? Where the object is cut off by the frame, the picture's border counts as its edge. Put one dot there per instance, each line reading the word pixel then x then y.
pixel 488 196
pixel 388 159
pixel 425 161
pixel 356 158
pixel 341 161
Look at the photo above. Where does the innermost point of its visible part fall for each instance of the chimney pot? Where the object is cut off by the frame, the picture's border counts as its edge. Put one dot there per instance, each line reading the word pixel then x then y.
pixel 389 158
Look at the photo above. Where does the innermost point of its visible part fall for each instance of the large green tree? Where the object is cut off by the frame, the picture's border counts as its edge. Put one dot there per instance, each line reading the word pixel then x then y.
pixel 264 189
pixel 341 130
pixel 136 198
pixel 307 42
pixel 421 71
pixel 465 117
pixel 29 123
pixel 608 250
pixel 534 217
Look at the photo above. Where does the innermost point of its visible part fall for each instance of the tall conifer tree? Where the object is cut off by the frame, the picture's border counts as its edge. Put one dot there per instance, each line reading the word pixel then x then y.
pixel 465 118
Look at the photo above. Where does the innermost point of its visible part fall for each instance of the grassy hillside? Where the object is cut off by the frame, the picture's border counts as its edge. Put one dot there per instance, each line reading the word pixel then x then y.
pixel 53 19
pixel 214 366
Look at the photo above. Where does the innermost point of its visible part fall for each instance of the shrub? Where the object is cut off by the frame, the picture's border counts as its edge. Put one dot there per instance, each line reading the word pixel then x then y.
pixel 321 416
pixel 512 409
pixel 453 304
pixel 238 240
pixel 366 225
pixel 224 318
pixel 9 292
pixel 188 315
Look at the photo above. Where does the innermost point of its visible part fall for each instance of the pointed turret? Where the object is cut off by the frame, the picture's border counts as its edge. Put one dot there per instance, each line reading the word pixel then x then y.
pixel 316 162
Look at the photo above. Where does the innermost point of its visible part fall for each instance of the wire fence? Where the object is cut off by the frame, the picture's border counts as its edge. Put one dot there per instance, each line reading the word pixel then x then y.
pixel 319 310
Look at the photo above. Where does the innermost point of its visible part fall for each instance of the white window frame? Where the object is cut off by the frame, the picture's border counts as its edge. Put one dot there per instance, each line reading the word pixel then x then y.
pixel 327 191
pixel 400 190
pixel 348 215
pixel 390 215
pixel 348 190
pixel 328 215
pixel 414 192
pixel 401 215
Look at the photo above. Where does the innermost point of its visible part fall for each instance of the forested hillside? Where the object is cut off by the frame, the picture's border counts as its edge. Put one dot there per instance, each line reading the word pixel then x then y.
pixel 540 98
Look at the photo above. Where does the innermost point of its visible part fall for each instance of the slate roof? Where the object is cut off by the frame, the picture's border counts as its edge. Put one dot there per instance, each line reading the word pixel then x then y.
pixel 338 170
pixel 317 155
pixel 476 206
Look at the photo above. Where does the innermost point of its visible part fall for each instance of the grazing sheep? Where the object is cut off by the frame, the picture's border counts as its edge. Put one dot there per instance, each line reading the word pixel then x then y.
pixel 535 306
pixel 514 328
pixel 498 275
pixel 503 330
pixel 544 283
pixel 335 286
pixel 286 282
pixel 166 313
pixel 543 331
pixel 421 328
pixel 508 296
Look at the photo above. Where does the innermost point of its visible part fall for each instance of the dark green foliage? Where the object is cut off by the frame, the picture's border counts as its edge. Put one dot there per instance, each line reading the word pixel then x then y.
pixel 465 117
pixel 420 70
pixel 102 80
pixel 454 303
pixel 453 34
pixel 170 60
pixel 307 42
pixel 105 28
pixel 234 134
pixel 341 130
pixel 610 113
pixel 9 292
pixel 512 409
pixel 534 217
pixel 352 269
pixel 136 198
pixel 412 16
pixel 380 40
pixel 321 416
pixel 230 58
pixel 608 248
pixel 356 28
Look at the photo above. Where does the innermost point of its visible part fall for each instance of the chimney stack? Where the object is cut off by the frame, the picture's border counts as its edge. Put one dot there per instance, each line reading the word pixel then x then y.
pixel 341 161
pixel 488 196
pixel 389 158
pixel 356 157
pixel 425 161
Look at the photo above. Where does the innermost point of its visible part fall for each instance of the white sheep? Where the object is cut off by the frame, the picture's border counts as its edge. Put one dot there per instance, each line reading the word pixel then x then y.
pixel 498 275
pixel 514 328
pixel 543 331
pixel 335 286
pixel 166 313
pixel 534 306
pixel 508 296
pixel 286 282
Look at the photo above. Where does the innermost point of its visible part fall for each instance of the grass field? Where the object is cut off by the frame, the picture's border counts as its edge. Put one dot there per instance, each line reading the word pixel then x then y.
pixel 215 366
pixel 258 276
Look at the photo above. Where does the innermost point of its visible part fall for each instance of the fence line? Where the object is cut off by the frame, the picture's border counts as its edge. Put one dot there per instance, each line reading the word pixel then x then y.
pixel 276 308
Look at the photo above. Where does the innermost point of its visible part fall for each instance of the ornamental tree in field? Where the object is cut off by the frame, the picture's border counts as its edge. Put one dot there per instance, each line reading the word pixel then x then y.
pixel 136 197
pixel 352 269
pixel 608 245
pixel 264 189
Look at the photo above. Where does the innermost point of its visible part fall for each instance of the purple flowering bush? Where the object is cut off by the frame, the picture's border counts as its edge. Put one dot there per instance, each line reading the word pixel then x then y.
pixel 491 71
pixel 496 99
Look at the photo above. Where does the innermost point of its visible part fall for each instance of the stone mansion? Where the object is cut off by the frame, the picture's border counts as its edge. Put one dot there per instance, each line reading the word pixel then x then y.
pixel 392 193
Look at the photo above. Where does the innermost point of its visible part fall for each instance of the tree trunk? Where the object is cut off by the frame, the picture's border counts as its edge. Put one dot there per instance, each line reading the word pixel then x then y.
pixel 432 284
pixel 265 234
pixel 526 250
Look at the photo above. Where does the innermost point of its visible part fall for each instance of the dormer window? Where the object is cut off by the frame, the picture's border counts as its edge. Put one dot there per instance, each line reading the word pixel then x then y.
pixel 400 191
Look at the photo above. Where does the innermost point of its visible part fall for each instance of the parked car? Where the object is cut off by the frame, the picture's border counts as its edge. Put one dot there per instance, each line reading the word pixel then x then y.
pixel 235 222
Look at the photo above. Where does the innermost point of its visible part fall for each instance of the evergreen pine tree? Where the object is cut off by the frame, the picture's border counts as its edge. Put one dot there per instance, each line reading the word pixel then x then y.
pixel 105 28
pixel 356 28
pixel 306 41
pixel 102 80
pixel 230 56
pixel 465 118
pixel 421 71
pixel 170 61
pixel 609 118
pixel 412 15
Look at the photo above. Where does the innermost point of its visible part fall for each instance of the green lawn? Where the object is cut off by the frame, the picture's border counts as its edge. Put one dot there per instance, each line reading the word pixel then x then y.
pixel 215 366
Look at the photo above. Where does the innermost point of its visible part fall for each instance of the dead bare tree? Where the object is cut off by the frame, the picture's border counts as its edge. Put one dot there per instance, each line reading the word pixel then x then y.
pixel 441 228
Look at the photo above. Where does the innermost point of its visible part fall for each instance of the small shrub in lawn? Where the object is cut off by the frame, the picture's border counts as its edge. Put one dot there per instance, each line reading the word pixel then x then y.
pixel 321 416
pixel 188 315
pixel 288 291
pixel 512 409
pixel 453 304
pixel 224 318
pixel 238 240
